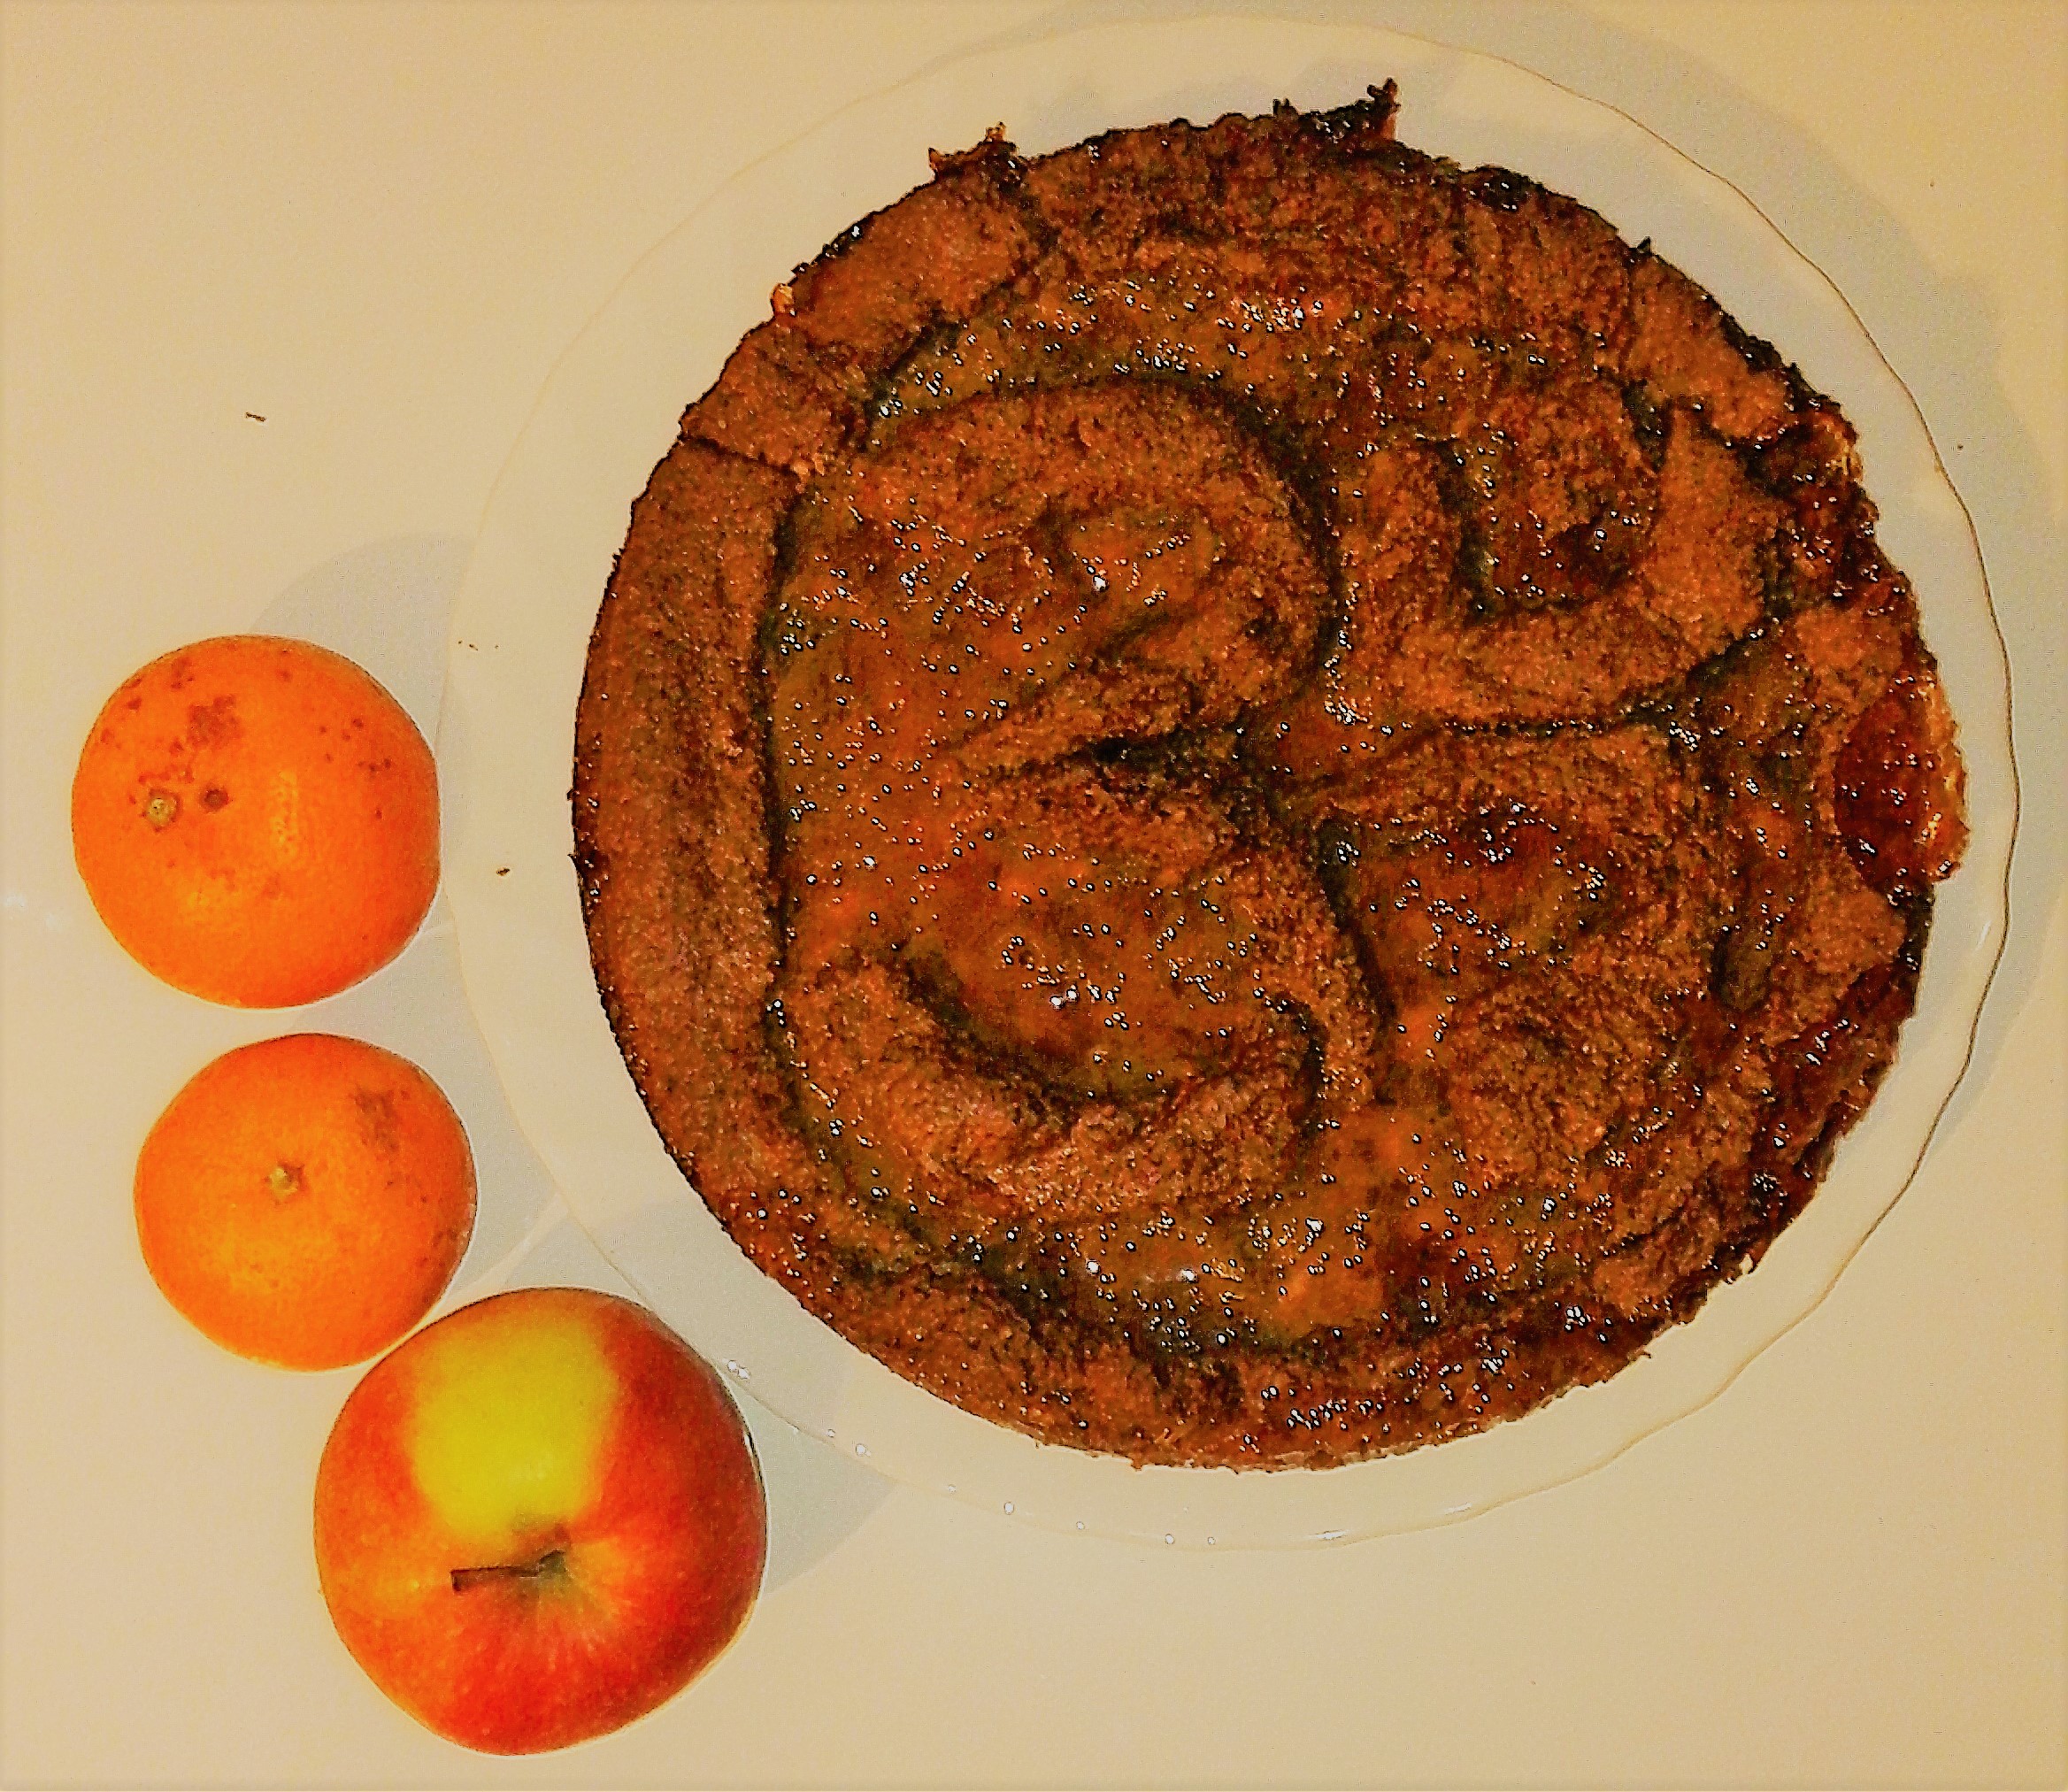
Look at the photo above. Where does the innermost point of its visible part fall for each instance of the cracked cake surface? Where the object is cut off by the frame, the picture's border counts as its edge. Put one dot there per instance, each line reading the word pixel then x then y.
pixel 1244 797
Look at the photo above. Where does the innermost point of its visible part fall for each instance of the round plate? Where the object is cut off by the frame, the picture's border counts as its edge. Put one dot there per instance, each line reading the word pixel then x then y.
pixel 559 514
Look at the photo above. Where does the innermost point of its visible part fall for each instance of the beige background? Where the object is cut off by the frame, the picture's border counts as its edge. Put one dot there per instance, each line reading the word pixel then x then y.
pixel 377 228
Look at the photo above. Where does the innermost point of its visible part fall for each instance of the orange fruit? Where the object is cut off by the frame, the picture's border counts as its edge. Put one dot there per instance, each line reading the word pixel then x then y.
pixel 304 1201
pixel 257 820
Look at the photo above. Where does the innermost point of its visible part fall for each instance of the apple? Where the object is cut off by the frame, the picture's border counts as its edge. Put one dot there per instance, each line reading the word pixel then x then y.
pixel 538 1519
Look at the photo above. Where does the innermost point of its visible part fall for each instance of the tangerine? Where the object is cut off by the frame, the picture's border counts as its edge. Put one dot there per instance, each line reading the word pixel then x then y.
pixel 257 820
pixel 304 1201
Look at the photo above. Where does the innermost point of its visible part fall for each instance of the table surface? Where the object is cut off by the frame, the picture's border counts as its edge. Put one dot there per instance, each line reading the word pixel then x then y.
pixel 279 287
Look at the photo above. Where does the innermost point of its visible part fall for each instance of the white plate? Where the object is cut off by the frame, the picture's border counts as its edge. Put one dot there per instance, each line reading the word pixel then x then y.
pixel 559 513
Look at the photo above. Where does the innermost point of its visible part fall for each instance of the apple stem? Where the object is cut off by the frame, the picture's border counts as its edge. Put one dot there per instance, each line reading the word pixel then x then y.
pixel 549 1563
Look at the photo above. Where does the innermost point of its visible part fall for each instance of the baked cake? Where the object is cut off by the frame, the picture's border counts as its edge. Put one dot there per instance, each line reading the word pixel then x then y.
pixel 1247 798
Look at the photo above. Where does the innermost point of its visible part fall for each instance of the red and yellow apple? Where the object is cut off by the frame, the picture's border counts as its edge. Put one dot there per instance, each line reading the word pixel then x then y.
pixel 538 1519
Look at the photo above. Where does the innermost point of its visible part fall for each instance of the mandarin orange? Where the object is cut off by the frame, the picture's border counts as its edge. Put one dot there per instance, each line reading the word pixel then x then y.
pixel 304 1201
pixel 257 820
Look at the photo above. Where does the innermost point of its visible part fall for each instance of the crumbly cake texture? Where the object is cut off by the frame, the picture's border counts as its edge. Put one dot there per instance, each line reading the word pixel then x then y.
pixel 1246 798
